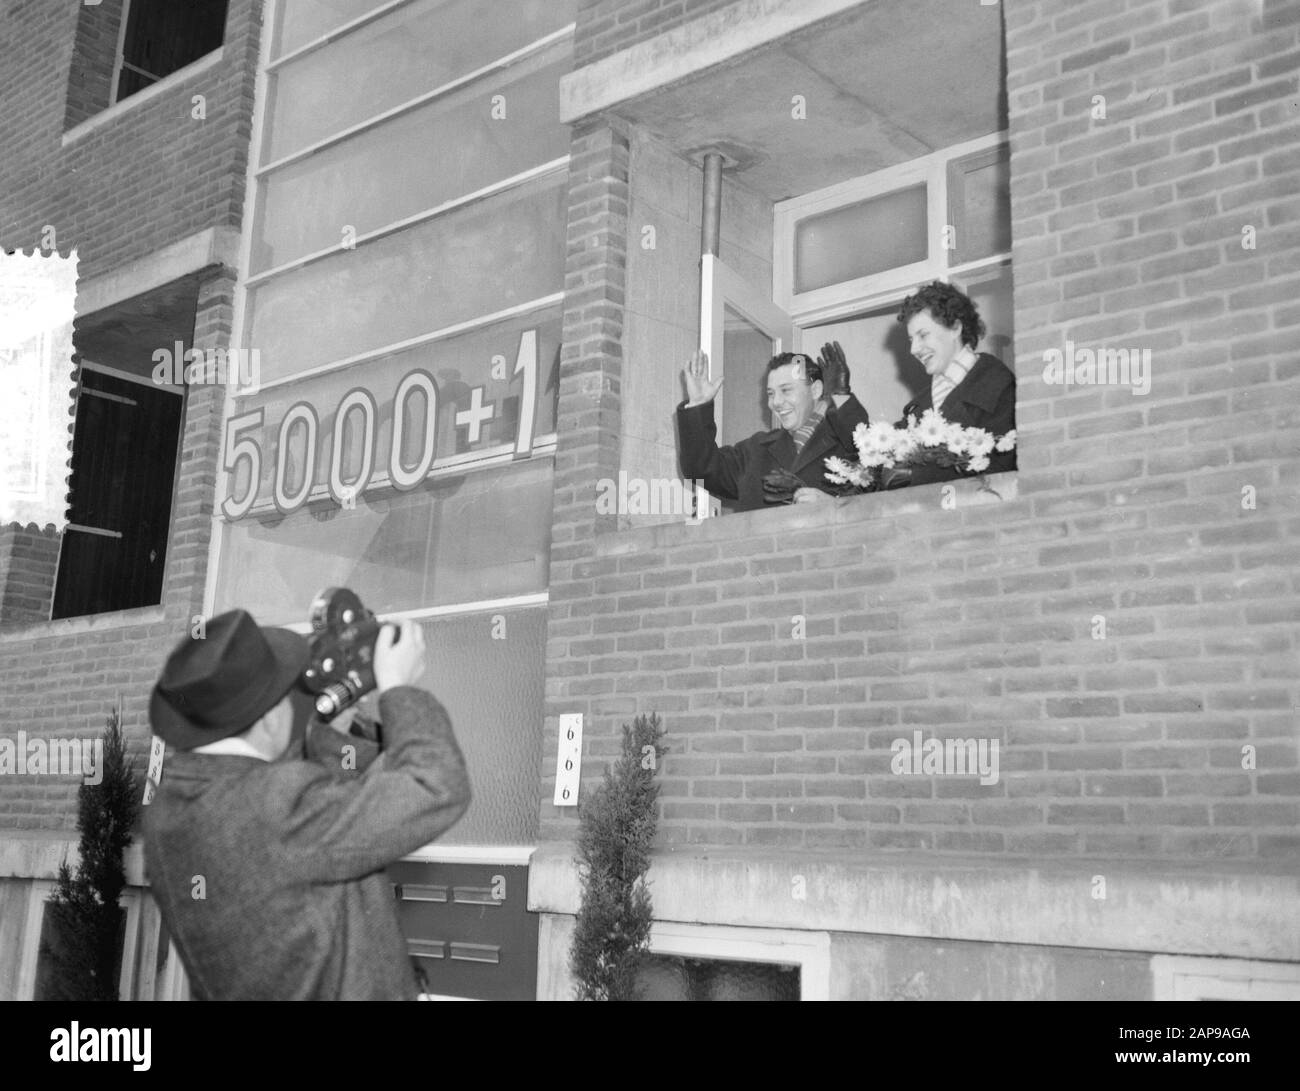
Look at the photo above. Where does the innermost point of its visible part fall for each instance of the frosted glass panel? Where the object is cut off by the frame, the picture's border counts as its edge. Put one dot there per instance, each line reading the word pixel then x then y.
pixel 493 689
pixel 861 239
pixel 302 21
pixel 397 58
pixel 980 193
pixel 746 352
pixel 484 258
pixel 463 538
pixel 415 162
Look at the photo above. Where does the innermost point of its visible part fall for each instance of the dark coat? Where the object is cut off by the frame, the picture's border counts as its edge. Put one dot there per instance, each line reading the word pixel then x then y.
pixel 736 473
pixel 288 857
pixel 986 399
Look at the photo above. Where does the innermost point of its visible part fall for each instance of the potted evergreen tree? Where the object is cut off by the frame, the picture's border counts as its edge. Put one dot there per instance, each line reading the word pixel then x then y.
pixel 81 942
pixel 617 829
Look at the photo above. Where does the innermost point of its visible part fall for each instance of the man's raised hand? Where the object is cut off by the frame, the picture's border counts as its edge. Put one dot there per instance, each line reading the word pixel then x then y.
pixel 699 387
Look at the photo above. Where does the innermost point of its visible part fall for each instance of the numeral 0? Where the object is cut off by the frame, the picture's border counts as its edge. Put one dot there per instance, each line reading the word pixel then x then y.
pixel 303 416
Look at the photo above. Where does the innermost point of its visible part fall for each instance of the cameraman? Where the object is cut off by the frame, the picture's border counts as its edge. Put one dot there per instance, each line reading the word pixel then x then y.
pixel 267 865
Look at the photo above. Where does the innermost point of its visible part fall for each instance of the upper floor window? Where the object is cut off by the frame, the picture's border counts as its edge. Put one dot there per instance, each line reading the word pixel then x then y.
pixel 162 36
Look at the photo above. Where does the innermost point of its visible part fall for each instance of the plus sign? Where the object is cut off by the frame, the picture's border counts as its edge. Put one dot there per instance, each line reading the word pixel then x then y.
pixel 476 414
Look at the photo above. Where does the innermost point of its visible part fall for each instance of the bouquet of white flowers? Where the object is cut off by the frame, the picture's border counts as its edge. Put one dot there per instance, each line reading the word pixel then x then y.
pixel 930 441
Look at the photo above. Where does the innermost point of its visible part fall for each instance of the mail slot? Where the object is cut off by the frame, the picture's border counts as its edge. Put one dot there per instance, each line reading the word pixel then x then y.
pixel 467 928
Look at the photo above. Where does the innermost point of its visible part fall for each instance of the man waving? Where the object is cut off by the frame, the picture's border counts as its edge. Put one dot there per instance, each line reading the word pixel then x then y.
pixel 816 415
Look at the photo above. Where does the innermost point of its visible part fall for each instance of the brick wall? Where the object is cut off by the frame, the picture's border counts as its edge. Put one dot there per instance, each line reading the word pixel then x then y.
pixel 29 557
pixel 94 60
pixel 1125 621
pixel 151 175
pixel 60 679
pixel 606 26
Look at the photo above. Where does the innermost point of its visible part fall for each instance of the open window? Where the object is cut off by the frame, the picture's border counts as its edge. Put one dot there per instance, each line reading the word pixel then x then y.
pixel 161 36
pixel 741 329
pixel 125 452
pixel 848 255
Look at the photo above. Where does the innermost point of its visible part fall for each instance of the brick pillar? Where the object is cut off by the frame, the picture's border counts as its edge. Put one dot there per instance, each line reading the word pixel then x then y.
pixel 187 560
pixel 94 58
pixel 591 364
pixel 29 560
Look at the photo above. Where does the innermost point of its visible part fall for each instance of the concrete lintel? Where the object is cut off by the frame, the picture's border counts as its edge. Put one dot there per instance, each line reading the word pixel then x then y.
pixel 702 43
pixel 38 856
pixel 212 246
pixel 1243 910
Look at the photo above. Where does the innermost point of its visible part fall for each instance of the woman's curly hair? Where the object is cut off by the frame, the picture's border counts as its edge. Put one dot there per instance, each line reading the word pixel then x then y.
pixel 947 306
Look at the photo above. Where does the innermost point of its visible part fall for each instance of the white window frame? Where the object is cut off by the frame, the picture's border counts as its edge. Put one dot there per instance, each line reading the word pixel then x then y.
pixel 838 301
pixel 809 951
pixel 37 898
pixel 1187 977
pixel 119 62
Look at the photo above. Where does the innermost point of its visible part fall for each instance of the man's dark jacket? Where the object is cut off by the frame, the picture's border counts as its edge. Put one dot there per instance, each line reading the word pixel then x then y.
pixel 269 875
pixel 986 399
pixel 736 473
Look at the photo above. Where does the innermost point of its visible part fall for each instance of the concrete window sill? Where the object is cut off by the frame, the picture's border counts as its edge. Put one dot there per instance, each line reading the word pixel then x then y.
pixel 168 83
pixel 72 626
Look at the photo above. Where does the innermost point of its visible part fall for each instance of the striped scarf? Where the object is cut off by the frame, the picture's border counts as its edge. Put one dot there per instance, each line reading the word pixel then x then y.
pixel 803 433
pixel 943 385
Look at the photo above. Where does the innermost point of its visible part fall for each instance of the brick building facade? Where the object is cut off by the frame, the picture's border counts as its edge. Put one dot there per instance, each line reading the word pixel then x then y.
pixel 1160 757
pixel 1121 616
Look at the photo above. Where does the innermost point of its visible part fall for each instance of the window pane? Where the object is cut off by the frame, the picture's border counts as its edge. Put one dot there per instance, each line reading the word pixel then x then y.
pixel 493 691
pixel 123 473
pixel 398 58
pixel 464 538
pixel 303 21
pixel 746 352
pixel 885 375
pixel 489 256
pixel 450 148
pixel 979 190
pixel 162 36
pixel 990 291
pixel 861 239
